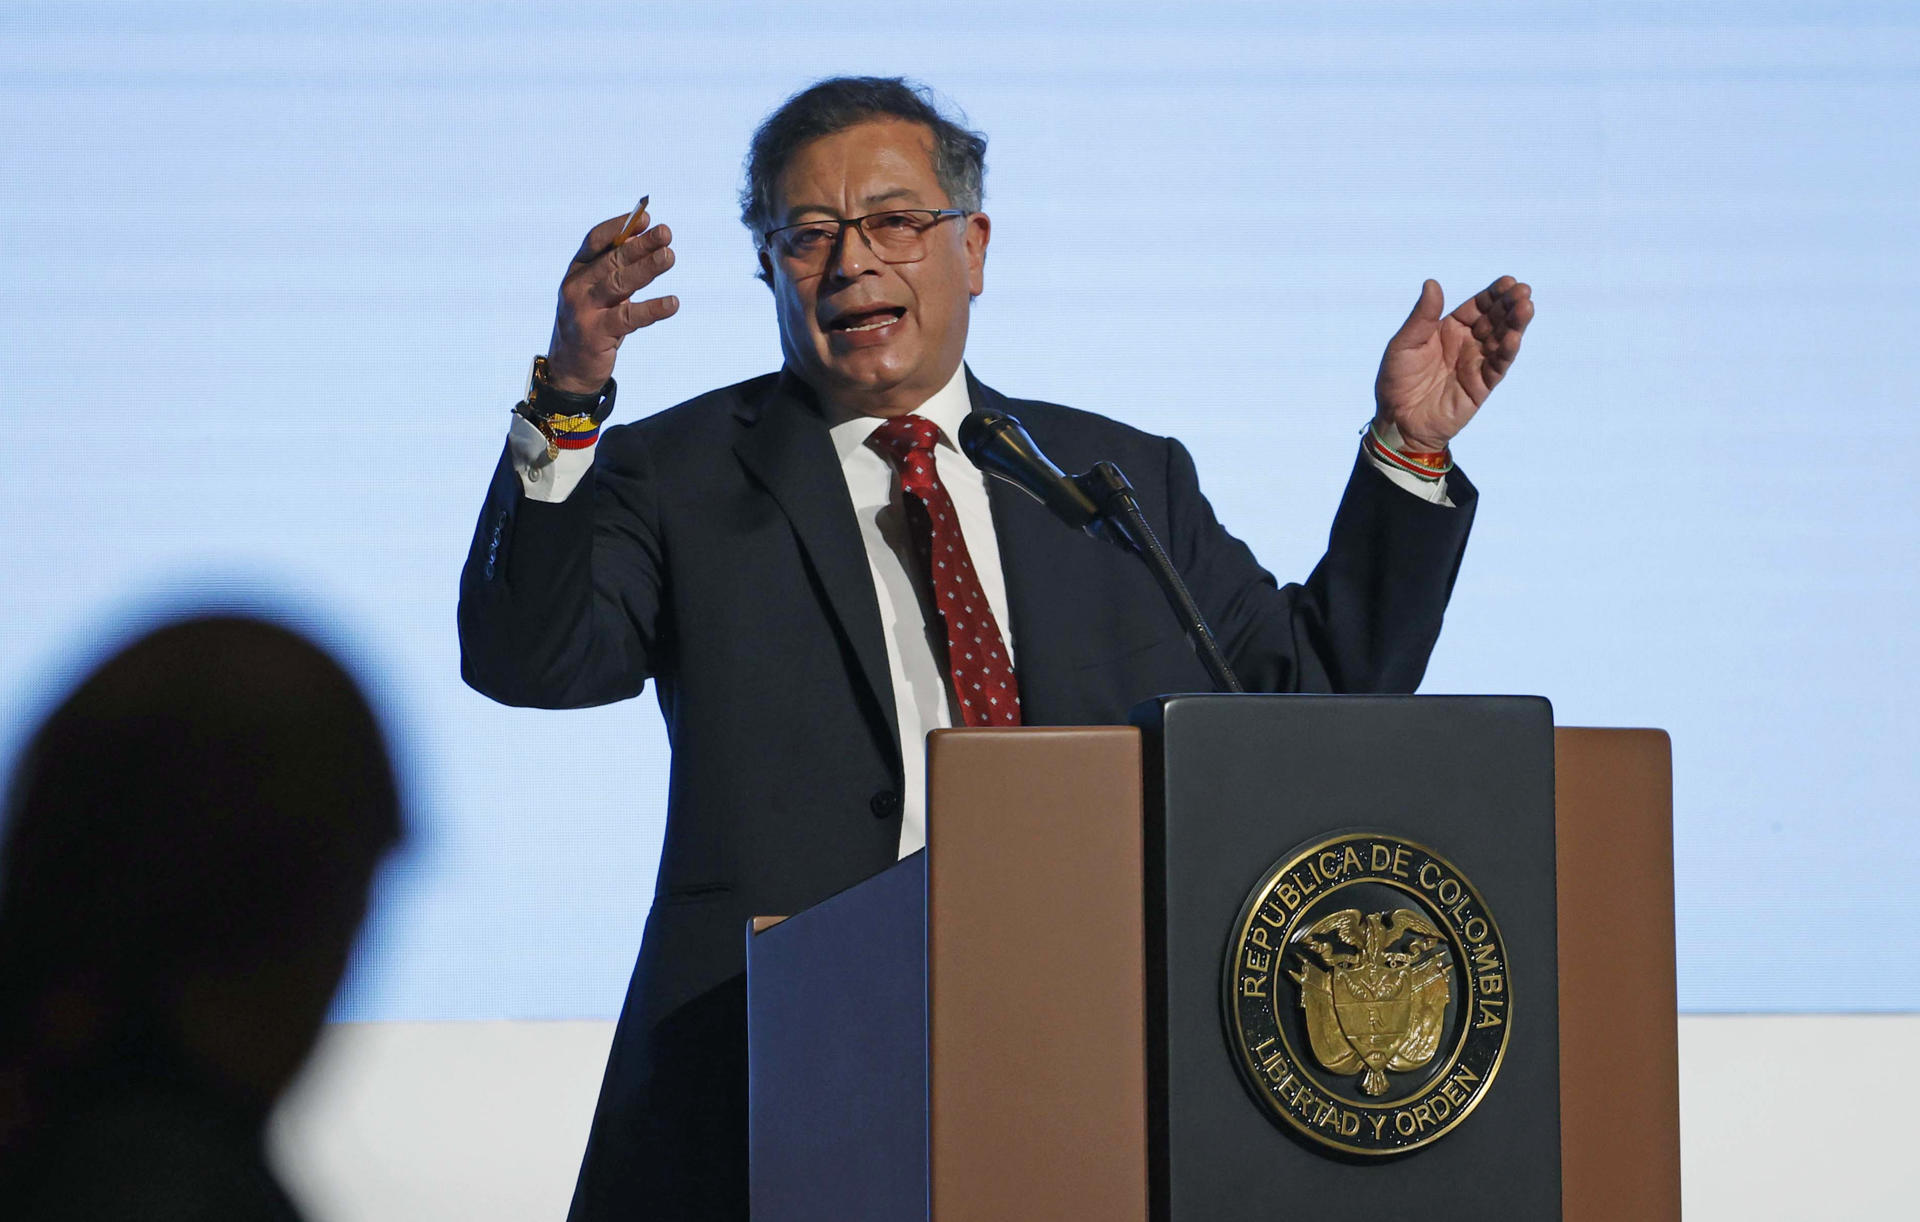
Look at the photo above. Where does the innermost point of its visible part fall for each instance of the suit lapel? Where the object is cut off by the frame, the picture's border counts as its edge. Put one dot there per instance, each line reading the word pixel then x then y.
pixel 787 449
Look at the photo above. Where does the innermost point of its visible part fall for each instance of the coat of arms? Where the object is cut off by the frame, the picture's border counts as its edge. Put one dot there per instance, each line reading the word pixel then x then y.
pixel 1375 988
pixel 1355 958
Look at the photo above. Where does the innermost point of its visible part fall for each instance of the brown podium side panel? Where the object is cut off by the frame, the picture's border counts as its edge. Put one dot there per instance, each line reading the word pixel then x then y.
pixel 1619 1059
pixel 1036 976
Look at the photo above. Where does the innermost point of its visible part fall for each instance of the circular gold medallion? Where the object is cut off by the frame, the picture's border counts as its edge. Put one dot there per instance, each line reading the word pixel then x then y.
pixel 1367 994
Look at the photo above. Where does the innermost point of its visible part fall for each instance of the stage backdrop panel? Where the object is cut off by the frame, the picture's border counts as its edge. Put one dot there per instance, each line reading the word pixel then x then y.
pixel 271 275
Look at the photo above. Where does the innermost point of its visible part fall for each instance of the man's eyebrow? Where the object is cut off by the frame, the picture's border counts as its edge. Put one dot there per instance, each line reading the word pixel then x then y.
pixel 796 211
pixel 906 193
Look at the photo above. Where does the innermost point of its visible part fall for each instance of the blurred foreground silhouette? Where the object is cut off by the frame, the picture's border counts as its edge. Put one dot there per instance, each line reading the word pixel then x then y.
pixel 188 846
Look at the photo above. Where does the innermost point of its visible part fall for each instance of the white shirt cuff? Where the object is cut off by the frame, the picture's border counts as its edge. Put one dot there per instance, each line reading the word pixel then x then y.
pixel 542 478
pixel 1434 491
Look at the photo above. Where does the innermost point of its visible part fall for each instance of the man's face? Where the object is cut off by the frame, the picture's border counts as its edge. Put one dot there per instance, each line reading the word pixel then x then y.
pixel 870 336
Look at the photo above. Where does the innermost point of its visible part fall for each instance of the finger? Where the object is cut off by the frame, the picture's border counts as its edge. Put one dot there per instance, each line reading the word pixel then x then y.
pixel 632 267
pixel 1522 312
pixel 1519 301
pixel 1508 319
pixel 599 239
pixel 1496 309
pixel 1509 345
pixel 646 243
pixel 621 271
pixel 633 315
pixel 1486 301
pixel 1424 320
pixel 1475 308
pixel 1500 348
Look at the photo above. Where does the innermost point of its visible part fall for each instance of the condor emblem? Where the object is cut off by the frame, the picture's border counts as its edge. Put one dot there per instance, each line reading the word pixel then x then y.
pixel 1367 995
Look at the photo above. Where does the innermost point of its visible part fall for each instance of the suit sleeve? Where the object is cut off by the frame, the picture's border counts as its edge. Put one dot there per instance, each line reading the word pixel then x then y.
pixel 1368 616
pixel 560 602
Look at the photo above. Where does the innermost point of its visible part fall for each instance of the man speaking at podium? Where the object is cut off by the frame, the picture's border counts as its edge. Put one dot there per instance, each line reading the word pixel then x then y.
pixel 814 576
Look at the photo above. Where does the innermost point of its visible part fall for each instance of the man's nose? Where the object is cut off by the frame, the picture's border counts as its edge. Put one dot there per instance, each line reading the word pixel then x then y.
pixel 851 255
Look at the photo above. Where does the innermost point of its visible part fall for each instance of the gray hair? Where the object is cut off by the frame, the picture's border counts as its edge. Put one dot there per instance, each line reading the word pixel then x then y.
pixel 840 102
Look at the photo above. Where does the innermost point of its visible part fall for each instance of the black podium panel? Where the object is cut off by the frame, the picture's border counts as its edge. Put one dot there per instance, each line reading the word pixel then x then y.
pixel 1238 784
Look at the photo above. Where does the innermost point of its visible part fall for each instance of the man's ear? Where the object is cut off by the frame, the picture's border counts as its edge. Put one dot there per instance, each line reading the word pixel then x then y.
pixel 765 275
pixel 979 230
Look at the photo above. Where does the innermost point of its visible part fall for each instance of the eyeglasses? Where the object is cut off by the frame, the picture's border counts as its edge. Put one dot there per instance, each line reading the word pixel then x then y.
pixel 899 236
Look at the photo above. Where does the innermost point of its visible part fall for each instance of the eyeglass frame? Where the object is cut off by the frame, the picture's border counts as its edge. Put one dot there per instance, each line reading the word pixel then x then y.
pixel 858 223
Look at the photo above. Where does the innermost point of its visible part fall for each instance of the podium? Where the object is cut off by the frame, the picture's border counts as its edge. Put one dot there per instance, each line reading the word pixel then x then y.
pixel 1329 957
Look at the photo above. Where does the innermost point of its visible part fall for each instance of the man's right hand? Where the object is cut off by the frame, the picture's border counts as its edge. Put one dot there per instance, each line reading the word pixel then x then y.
pixel 596 311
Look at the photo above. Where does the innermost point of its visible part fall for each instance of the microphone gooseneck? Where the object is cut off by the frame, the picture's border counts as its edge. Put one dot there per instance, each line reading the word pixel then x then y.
pixel 1100 502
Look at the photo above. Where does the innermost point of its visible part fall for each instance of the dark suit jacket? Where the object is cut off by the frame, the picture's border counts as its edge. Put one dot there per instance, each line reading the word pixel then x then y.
pixel 713 548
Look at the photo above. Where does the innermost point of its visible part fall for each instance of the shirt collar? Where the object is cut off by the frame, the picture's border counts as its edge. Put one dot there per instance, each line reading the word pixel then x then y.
pixel 947 408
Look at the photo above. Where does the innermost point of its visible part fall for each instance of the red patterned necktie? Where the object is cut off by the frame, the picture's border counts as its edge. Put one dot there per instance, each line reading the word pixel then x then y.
pixel 978 663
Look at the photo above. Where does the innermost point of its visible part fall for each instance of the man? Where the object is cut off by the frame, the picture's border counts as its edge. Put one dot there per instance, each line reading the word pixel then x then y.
pixel 189 842
pixel 814 576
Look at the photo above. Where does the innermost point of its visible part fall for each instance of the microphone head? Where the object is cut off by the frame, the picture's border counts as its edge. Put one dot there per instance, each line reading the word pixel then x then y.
pixel 974 431
pixel 998 444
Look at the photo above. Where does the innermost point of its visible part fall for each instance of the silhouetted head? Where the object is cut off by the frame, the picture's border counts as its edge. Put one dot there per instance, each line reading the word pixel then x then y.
pixel 189 842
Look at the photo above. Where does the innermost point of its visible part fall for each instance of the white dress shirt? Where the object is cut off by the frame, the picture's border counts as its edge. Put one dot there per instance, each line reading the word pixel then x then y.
pixel 922 695
pixel 922 698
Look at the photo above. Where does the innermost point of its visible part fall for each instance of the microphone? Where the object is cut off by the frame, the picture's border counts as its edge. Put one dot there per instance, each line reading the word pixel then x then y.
pixel 998 445
pixel 1100 502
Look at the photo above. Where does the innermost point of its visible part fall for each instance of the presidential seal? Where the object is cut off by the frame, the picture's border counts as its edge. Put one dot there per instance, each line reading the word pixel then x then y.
pixel 1367 998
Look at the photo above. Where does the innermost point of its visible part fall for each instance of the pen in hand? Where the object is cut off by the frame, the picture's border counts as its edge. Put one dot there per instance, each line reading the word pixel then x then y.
pixel 633 220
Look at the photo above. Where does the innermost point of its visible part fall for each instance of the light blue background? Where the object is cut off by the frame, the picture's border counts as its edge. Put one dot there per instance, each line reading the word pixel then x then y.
pixel 272 275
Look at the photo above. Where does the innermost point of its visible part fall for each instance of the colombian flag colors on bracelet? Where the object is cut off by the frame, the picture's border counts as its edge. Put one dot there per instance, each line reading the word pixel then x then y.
pixel 573 432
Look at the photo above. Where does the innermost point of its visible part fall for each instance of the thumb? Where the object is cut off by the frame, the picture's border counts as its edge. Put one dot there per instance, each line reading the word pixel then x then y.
pixel 1425 318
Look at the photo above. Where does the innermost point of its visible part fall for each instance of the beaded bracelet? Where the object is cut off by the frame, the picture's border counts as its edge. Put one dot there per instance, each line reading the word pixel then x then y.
pixel 1428 465
pixel 568 421
pixel 561 432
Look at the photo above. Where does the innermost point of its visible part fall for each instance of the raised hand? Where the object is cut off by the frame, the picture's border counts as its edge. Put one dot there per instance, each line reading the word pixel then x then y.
pixel 596 308
pixel 1438 371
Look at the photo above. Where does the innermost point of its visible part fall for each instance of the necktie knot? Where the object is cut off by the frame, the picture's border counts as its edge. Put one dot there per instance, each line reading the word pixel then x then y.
pixel 903 436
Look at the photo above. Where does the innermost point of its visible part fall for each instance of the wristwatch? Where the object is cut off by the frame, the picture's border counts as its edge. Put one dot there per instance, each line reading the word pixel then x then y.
pixel 543 400
pixel 567 421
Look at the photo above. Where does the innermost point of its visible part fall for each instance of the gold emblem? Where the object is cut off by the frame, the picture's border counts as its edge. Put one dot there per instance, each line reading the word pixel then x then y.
pixel 1375 1008
pixel 1373 954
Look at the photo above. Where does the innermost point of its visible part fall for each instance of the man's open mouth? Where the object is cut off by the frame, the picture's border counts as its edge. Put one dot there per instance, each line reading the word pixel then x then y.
pixel 867 320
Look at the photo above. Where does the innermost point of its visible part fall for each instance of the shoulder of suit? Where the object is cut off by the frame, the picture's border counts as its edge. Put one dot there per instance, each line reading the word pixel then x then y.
pixel 1057 422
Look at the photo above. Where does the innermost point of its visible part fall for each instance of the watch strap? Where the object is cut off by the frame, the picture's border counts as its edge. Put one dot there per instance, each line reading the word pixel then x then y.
pixel 544 400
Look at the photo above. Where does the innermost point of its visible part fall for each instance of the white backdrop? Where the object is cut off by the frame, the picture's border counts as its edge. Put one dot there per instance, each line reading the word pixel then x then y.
pixel 272 274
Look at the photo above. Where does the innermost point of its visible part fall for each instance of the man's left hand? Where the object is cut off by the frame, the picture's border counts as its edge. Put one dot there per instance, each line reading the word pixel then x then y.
pixel 1438 371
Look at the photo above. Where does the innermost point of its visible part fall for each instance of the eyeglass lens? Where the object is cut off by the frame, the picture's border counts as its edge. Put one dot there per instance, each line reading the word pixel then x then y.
pixel 897 237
